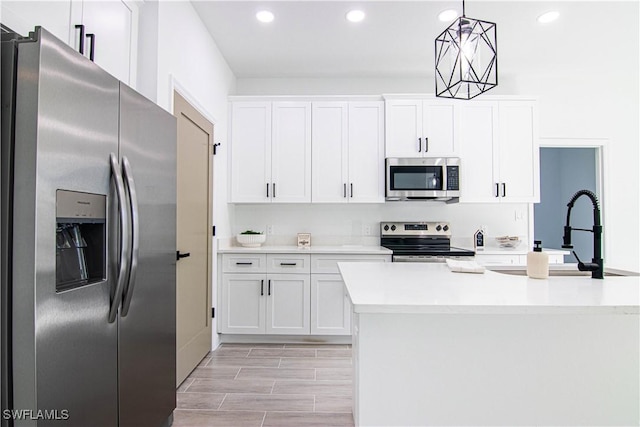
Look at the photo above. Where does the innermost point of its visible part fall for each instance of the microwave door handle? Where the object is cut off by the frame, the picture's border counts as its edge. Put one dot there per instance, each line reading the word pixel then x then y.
pixel 135 235
pixel 125 244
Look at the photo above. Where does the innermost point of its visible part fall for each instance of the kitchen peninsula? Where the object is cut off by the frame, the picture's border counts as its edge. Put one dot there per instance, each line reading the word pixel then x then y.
pixel 432 347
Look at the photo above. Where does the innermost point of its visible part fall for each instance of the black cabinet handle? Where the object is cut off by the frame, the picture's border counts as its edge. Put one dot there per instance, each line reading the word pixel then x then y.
pixel 497 190
pixel 288 263
pixel 269 288
pixel 351 185
pixel 261 287
pixel 419 145
pixel 267 189
pixel 426 145
pixel 504 190
pixel 92 39
pixel 344 190
pixel 244 263
pixel 81 39
pixel 179 256
pixel 274 190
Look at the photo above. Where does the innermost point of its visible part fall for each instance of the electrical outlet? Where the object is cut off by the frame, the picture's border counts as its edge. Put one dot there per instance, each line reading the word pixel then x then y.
pixel 519 215
pixel 366 230
pixel 270 230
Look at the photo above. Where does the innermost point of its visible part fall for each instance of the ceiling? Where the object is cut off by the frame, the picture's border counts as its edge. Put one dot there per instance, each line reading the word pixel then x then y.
pixel 396 39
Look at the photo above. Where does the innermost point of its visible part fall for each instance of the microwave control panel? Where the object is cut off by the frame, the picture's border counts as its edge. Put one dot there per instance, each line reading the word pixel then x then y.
pixel 453 178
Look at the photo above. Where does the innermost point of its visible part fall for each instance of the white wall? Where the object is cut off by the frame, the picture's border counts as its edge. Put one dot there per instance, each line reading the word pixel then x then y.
pixel 180 53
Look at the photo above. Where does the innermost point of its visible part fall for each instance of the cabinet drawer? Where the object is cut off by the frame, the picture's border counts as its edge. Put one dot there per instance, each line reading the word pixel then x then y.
pixel 244 263
pixel 288 263
pixel 328 264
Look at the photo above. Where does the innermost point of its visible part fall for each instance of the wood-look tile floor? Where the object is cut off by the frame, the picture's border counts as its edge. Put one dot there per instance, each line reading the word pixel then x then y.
pixel 269 385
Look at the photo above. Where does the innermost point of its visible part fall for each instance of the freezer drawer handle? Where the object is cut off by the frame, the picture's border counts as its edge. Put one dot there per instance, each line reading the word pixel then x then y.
pixel 125 239
pixel 135 233
pixel 179 256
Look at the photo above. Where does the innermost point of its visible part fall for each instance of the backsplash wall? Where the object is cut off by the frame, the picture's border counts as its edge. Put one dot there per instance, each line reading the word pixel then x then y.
pixel 358 224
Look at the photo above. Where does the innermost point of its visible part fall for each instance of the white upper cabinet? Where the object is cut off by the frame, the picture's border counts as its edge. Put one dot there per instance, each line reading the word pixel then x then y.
pixel 270 152
pixel 291 152
pixel 348 157
pixel 478 154
pixel 366 152
pixel 330 140
pixel 22 17
pixel 519 152
pixel 420 127
pixel 251 152
pixel 499 152
pixel 110 25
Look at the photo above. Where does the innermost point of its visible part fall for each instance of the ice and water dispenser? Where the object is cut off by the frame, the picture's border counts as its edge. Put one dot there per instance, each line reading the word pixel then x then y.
pixel 80 239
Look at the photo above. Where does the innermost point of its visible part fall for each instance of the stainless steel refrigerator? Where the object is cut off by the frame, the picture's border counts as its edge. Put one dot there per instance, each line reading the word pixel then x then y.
pixel 88 243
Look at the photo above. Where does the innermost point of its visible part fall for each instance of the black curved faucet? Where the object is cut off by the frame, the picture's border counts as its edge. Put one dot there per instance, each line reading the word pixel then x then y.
pixel 596 266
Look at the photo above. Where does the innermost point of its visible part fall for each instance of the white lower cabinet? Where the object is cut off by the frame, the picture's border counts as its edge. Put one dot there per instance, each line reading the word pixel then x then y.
pixel 257 302
pixel 330 304
pixel 331 307
pixel 288 301
pixel 285 294
pixel 243 305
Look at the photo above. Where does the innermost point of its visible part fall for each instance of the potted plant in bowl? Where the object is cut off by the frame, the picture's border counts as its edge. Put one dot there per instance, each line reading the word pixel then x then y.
pixel 251 238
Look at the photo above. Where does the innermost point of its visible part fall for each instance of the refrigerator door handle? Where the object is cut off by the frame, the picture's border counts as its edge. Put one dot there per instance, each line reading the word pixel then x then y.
pixel 135 235
pixel 125 244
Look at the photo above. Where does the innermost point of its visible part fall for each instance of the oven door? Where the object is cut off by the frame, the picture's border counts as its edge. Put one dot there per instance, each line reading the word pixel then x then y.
pixel 416 178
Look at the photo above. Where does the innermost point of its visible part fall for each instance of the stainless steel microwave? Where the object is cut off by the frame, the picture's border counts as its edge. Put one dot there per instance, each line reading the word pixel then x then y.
pixel 426 178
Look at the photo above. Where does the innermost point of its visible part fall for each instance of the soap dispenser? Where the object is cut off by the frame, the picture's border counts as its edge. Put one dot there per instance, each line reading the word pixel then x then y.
pixel 537 262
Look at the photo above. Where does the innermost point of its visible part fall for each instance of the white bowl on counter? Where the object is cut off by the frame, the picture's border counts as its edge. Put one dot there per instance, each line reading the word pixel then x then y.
pixel 251 240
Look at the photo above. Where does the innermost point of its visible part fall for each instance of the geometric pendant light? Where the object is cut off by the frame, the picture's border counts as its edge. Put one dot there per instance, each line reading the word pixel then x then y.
pixel 466 58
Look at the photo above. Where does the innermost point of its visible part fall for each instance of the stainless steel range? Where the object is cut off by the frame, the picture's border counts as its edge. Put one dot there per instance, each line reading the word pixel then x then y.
pixel 420 242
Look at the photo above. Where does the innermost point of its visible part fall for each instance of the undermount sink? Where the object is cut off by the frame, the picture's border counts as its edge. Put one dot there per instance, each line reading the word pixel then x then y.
pixel 563 272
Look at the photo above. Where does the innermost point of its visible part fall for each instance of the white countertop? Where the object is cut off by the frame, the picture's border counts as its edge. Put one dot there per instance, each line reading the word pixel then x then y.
pixel 432 288
pixel 338 249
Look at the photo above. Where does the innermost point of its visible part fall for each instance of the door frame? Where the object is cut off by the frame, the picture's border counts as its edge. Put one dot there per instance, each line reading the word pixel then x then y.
pixel 601 146
pixel 177 87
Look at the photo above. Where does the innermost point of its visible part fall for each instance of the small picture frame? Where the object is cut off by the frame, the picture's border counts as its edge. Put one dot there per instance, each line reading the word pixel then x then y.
pixel 304 240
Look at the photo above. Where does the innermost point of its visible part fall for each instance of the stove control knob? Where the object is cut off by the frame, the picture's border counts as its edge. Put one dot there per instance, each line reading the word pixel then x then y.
pixel 445 228
pixel 438 228
pixel 386 228
pixel 393 228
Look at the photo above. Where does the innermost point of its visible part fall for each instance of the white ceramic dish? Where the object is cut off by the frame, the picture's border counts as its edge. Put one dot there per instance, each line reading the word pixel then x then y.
pixel 251 240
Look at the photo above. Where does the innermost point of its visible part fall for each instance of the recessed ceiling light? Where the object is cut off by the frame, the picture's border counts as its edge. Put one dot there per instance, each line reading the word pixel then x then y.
pixel 551 16
pixel 355 15
pixel 264 16
pixel 448 15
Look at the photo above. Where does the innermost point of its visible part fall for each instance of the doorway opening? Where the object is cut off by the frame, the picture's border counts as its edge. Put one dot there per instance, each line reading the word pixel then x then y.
pixel 563 171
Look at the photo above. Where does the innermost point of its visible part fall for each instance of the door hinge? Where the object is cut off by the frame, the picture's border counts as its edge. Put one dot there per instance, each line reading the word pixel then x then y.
pixel 215 148
pixel 213 312
pixel 213 230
